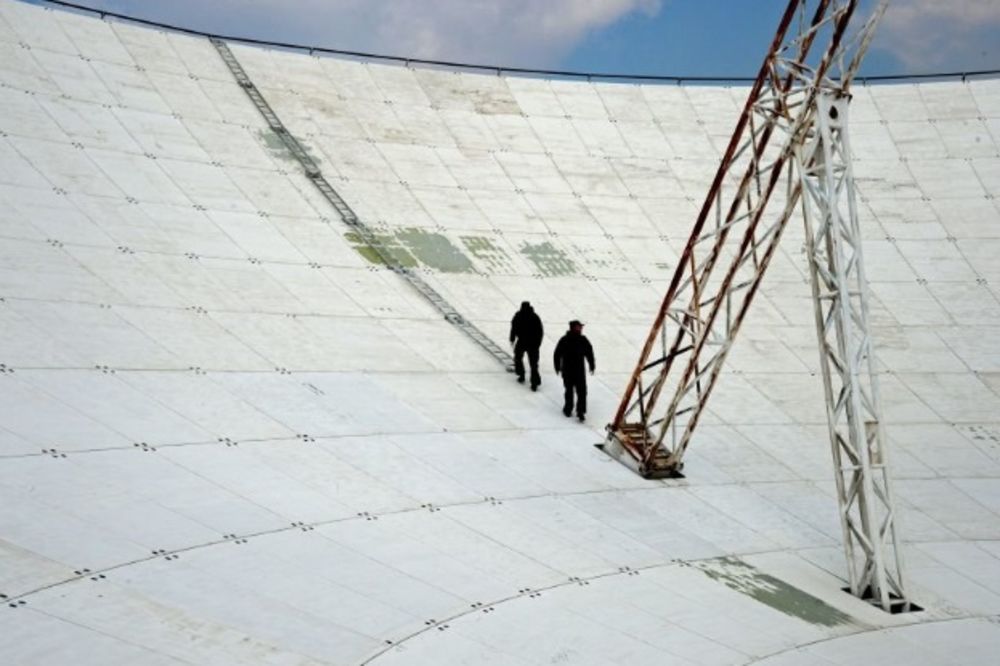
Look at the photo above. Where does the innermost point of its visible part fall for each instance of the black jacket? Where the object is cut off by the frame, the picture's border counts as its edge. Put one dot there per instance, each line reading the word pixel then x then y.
pixel 526 327
pixel 572 350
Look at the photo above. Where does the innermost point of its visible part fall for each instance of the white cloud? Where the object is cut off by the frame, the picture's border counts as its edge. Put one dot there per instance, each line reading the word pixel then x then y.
pixel 943 34
pixel 511 32
pixel 503 31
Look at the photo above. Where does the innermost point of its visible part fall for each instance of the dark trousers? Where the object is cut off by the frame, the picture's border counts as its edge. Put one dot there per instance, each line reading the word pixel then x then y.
pixel 576 383
pixel 532 352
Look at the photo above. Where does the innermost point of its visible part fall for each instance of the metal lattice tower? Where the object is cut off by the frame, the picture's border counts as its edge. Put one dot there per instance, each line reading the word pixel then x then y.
pixel 790 137
pixel 840 300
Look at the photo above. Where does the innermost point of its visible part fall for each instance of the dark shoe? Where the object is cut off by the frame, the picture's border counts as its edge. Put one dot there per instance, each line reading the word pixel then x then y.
pixel 534 387
pixel 520 380
pixel 579 416
pixel 567 412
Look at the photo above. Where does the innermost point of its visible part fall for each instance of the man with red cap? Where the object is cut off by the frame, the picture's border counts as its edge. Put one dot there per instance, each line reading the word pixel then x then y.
pixel 571 352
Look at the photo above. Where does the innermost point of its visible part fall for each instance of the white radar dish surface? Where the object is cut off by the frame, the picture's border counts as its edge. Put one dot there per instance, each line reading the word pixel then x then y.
pixel 234 431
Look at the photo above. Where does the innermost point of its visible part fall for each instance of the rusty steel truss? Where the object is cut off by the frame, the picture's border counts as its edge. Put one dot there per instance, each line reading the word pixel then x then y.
pixel 790 138
pixel 730 245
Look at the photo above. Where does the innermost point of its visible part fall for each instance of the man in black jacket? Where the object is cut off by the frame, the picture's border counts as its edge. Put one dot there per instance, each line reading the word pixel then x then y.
pixel 572 350
pixel 526 335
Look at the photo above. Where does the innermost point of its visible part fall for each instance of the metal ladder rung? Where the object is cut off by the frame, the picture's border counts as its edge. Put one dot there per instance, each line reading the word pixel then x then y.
pixel 347 215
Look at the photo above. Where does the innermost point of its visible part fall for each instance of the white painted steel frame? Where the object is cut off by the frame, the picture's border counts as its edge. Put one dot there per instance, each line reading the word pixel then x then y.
pixel 847 360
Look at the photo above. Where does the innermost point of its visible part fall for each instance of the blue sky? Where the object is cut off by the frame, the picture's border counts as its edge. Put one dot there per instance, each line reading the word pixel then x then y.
pixel 674 37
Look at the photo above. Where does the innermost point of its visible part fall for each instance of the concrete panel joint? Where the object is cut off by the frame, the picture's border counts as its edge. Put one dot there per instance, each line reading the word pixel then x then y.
pixel 347 215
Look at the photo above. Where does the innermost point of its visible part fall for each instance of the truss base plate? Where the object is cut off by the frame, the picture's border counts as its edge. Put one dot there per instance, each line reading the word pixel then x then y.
pixel 896 603
pixel 615 450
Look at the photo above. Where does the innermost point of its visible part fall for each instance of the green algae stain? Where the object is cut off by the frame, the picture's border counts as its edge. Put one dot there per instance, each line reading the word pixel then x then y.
pixel 277 147
pixel 486 252
pixel 548 259
pixel 774 592
pixel 410 248
pixel 435 251
pixel 383 245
